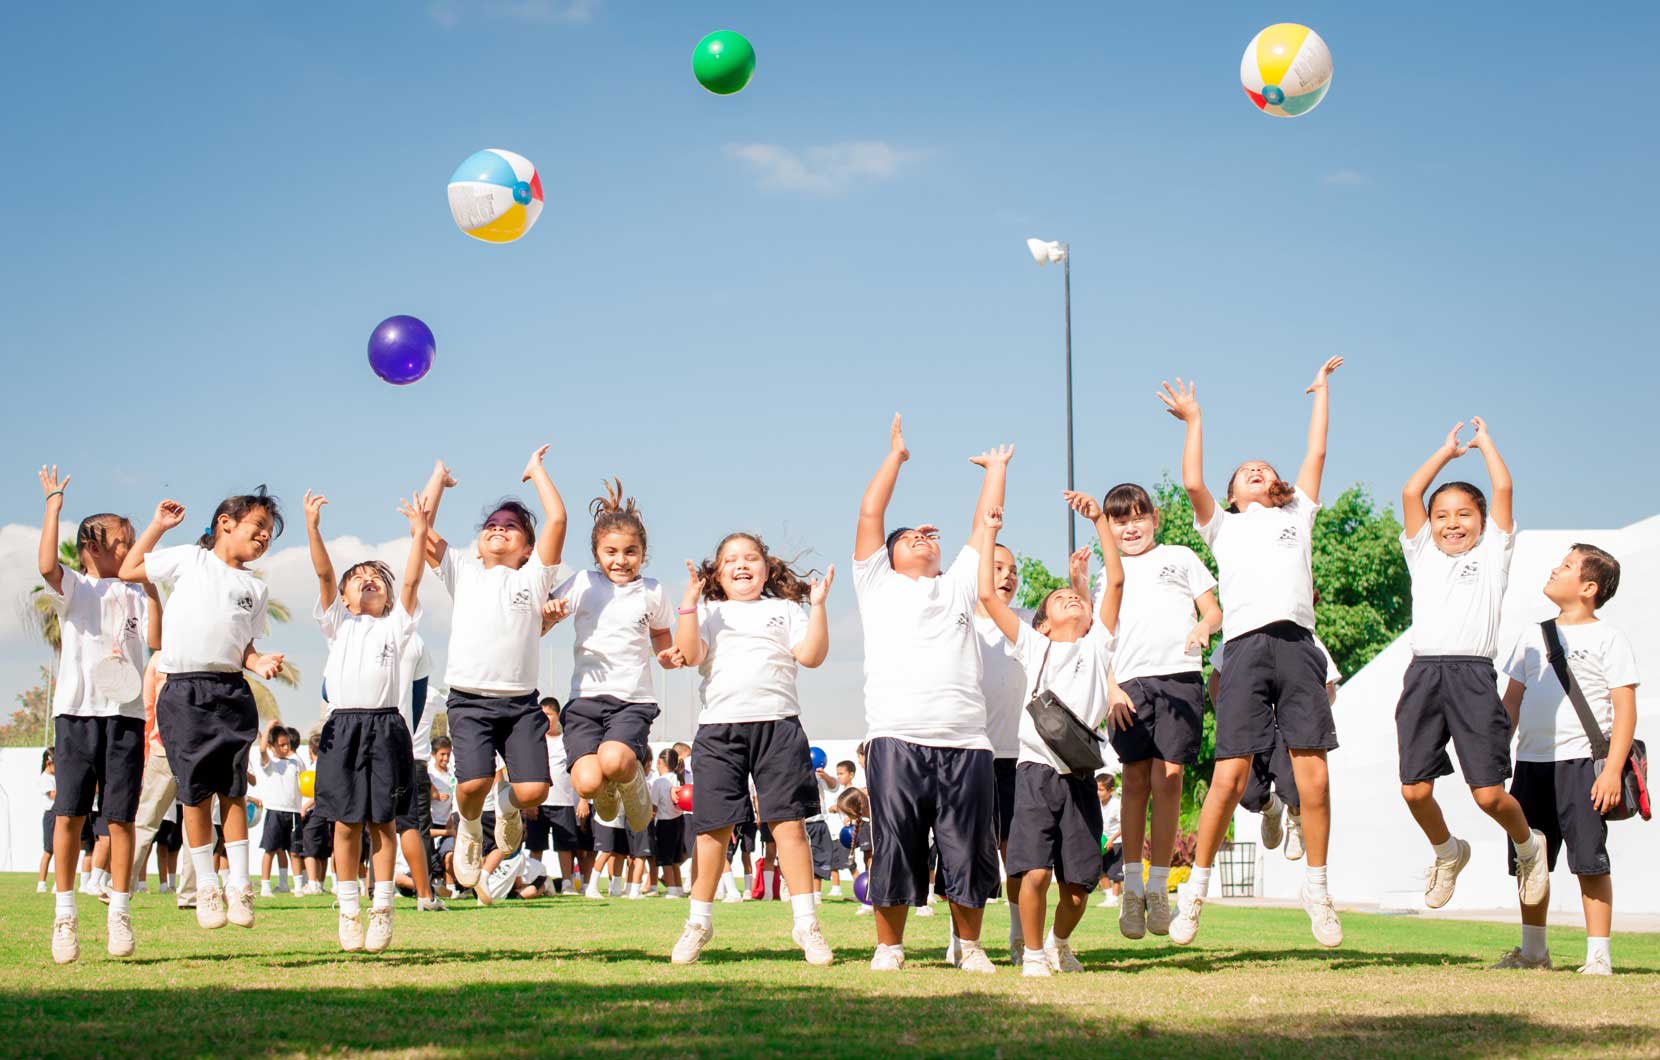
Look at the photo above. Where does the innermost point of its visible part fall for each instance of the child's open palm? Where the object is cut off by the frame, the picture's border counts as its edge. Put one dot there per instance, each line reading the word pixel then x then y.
pixel 1320 377
pixel 1181 400
pixel 1077 565
pixel 819 588
pixel 416 511
pixel 50 483
pixel 314 509
pixel 1000 454
pixel 169 514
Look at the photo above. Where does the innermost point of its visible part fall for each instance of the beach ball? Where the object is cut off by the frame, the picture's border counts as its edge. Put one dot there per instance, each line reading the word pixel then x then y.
pixel 401 351
pixel 495 196
pixel 1286 70
pixel 847 836
pixel 723 62
pixel 683 797
pixel 820 759
pixel 308 784
pixel 861 888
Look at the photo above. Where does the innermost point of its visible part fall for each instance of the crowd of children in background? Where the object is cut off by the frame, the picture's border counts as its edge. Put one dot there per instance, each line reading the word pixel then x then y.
pixel 992 732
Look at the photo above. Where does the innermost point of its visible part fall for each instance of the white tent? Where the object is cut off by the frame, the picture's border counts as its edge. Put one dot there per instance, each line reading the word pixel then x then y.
pixel 1378 853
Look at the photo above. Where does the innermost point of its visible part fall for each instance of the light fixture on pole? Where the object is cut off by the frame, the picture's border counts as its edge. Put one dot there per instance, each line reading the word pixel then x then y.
pixel 1046 252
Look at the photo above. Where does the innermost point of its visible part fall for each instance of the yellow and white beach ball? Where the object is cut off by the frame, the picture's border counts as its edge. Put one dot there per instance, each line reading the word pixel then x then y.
pixel 495 196
pixel 1286 70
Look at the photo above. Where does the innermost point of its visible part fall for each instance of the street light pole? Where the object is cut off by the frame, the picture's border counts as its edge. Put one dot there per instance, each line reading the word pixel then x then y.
pixel 1071 519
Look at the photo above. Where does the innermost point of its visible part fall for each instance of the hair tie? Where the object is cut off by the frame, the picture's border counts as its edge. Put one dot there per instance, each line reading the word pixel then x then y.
pixel 207 531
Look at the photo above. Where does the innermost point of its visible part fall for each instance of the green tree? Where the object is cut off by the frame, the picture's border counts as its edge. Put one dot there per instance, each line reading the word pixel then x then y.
pixel 1035 582
pixel 30 723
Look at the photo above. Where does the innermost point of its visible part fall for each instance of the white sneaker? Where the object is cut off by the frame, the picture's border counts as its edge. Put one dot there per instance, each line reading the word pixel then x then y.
pixel 120 928
pixel 510 827
pixel 888 959
pixel 1322 919
pixel 813 945
pixel 693 937
pixel 379 935
pixel 66 941
pixel 239 906
pixel 313 890
pixel 1443 876
pixel 1035 969
pixel 1184 927
pixel 265 888
pixel 733 896
pixel 1516 959
pixel 1598 965
pixel 469 856
pixel 142 887
pixel 975 958
pixel 1061 958
pixel 434 904
pixel 210 907
pixel 1293 836
pixel 927 910
pixel 607 802
pixel 1132 916
pixel 863 910
pixel 352 932
pixel 1108 901
pixel 40 886
pixel 1272 828
pixel 1158 912
pixel 1533 875
pixel 636 800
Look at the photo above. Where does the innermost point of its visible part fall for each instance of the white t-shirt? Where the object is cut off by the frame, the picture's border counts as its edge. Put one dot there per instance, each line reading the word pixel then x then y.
pixel 214 611
pixel 1003 683
pixel 922 657
pixel 749 671
pixel 1076 672
pixel 413 665
pixel 1266 559
pixel 441 808
pixel 1157 612
pixel 1455 599
pixel 1333 674
pixel 497 623
pixel 279 784
pixel 613 624
pixel 662 797
pixel 96 616
pixel 561 792
pixel 1110 814
pixel 1600 658
pixel 48 784
pixel 364 669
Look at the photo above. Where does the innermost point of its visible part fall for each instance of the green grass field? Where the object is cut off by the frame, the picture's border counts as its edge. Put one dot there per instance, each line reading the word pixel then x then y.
pixel 577 977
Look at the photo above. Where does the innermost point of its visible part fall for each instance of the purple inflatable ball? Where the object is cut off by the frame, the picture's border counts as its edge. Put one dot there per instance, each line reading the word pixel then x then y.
pixel 861 887
pixel 401 350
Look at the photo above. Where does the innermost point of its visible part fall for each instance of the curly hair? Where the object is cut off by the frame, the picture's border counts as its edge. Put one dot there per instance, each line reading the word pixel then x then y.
pixel 614 513
pixel 782 580
pixel 1280 492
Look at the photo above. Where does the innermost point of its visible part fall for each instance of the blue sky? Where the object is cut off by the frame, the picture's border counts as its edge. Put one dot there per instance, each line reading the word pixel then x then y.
pixel 208 207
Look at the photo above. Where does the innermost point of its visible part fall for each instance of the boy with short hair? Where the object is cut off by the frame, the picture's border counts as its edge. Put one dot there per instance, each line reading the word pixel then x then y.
pixel 1556 780
pixel 279 791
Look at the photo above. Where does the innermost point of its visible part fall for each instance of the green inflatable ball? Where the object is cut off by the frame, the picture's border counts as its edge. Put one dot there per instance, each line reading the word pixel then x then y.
pixel 724 62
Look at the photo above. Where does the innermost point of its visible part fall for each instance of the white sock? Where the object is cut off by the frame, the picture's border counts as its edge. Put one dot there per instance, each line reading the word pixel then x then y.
pixel 237 854
pixel 1448 851
pixel 633 890
pixel 65 903
pixel 1035 956
pixel 282 875
pixel 122 902
pixel 727 883
pixel 805 909
pixel 1527 848
pixel 1201 880
pixel 616 888
pixel 1050 941
pixel 702 914
pixel 1534 947
pixel 1274 805
pixel 384 893
pixel 474 828
pixel 1158 879
pixel 593 885
pixel 1316 882
pixel 1135 882
pixel 350 898
pixel 836 891
pixel 1597 948
pixel 201 858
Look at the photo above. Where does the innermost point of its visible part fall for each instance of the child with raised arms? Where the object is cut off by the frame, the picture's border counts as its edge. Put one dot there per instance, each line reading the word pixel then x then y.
pixel 749 622
pixel 1057 818
pixel 1275 680
pixel 205 711
pixel 105 628
pixel 498 588
pixel 1458 552
pixel 366 761
pixel 667 830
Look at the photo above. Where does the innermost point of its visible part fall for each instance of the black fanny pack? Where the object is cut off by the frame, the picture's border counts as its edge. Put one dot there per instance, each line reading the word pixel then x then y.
pixel 1073 742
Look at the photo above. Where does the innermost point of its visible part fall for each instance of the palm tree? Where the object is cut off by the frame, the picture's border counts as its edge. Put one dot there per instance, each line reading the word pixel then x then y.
pixel 46 616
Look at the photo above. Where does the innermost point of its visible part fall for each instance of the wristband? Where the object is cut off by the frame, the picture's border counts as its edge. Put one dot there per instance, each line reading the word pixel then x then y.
pixel 54 493
pixel 688 611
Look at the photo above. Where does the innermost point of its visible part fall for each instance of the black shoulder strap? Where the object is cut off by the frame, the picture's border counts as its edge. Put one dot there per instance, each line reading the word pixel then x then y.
pixel 1559 663
pixel 1037 685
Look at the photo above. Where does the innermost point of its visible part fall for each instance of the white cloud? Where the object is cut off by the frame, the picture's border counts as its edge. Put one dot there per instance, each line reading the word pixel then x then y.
pixel 826 170
pixel 1348 178
pixel 450 13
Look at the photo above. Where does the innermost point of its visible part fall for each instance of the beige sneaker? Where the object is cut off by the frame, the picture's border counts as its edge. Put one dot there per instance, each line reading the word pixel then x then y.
pixel 1517 959
pixel 693 937
pixel 1184 927
pixel 1322 919
pixel 1061 958
pixel 66 941
pixel 351 931
pixel 888 959
pixel 1158 912
pixel 1273 826
pixel 607 803
pixel 1443 876
pixel 379 935
pixel 469 855
pixel 636 800
pixel 510 827
pixel 120 929
pixel 1293 836
pixel 813 945
pixel 239 906
pixel 975 958
pixel 210 907
pixel 1132 916
pixel 1533 874
pixel 1035 969
pixel 1598 965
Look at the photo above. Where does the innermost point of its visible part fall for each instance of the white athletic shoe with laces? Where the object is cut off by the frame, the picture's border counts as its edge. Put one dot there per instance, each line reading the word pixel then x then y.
pixel 1035 969
pixel 434 904
pixel 120 929
pixel 1184 926
pixel 975 958
pixel 210 907
pixel 1061 957
pixel 1132 916
pixel 1272 828
pixel 1598 965
pixel 1533 874
pixel 1443 876
pixel 1516 959
pixel 888 959
pixel 239 906
pixel 66 941
pixel 607 801
pixel 510 826
pixel 469 856
pixel 636 800
pixel 1322 920
pixel 813 944
pixel 352 933
pixel 1293 836
pixel 379 935
pixel 1158 911
pixel 687 948
pixel 926 910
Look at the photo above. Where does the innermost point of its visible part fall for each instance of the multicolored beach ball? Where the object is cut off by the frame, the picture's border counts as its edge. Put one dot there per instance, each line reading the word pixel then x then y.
pixel 1286 70
pixel 495 196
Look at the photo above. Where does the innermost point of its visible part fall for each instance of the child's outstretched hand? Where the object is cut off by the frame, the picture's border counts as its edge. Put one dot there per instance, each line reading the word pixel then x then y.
pixel 441 471
pixel 416 511
pixel 994 517
pixel 896 440
pixel 671 659
pixel 1180 400
pixel 1481 441
pixel 50 483
pixel 1077 565
pixel 694 583
pixel 314 509
pixel 265 666
pixel 169 514
pixel 1323 374
pixel 534 464
pixel 819 588
pixel 1000 454
pixel 1451 446
pixel 1083 504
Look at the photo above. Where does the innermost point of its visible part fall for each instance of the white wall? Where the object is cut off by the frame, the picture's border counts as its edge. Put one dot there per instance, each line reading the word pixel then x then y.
pixel 21 805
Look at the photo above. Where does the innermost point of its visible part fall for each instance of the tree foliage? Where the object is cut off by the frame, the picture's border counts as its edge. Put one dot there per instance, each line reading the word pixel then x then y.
pixel 29 725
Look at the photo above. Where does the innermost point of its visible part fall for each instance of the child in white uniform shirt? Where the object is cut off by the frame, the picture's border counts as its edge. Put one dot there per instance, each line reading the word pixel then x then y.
pixel 1273 684
pixel 667 833
pixel 205 711
pixel 927 758
pixel 279 794
pixel 742 624
pixel 1057 818
pixel 499 592
pixel 1157 720
pixel 105 626
pixel 366 761
pixel 1459 555
pixel 1563 788
pixel 621 620
pixel 559 809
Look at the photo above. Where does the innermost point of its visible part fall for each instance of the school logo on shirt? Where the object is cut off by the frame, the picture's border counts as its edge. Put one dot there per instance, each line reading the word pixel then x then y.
pixel 1582 655
pixel 776 624
pixel 1170 574
pixel 962 621
pixel 1288 537
pixel 1078 667
pixel 129 631
pixel 520 600
pixel 1467 572
pixel 388 655
pixel 245 601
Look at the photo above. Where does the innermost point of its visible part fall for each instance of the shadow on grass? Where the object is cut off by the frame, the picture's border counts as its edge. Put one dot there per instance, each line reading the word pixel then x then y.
pixel 702 1018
